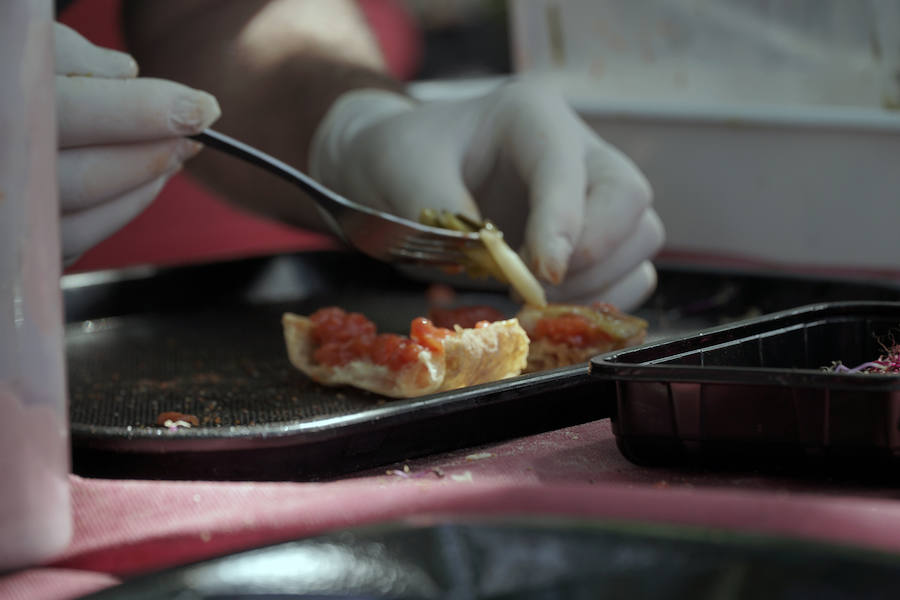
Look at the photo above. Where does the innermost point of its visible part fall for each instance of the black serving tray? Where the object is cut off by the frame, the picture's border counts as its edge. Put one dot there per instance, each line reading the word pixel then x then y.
pixel 761 389
pixel 206 340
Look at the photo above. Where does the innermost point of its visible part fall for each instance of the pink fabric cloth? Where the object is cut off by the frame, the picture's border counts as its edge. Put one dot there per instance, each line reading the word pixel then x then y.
pixel 124 528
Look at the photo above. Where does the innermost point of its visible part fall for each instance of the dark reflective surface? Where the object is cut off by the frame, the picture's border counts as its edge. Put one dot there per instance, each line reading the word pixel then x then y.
pixel 539 559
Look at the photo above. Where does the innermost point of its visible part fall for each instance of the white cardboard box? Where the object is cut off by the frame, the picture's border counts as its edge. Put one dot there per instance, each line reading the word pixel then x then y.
pixel 761 124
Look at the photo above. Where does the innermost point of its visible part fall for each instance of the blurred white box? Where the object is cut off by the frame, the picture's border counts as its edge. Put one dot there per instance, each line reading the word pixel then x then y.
pixel 765 127
pixel 737 52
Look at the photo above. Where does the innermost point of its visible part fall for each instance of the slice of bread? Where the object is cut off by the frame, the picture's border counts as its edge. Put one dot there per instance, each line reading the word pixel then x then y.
pixel 603 329
pixel 465 357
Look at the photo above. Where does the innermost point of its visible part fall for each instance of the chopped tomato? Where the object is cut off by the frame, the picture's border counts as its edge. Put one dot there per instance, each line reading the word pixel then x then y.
pixel 342 337
pixel 422 330
pixel 336 325
pixel 466 316
pixel 570 329
pixel 337 352
pixel 394 351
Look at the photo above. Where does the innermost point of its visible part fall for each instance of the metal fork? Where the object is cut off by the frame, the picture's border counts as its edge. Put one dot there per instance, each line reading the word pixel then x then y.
pixel 381 235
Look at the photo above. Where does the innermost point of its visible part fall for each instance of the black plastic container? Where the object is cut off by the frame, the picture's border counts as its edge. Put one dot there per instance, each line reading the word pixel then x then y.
pixel 757 389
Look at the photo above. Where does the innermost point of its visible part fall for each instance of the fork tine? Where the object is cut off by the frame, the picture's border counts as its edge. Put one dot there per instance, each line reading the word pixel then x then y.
pixel 441 256
pixel 435 242
pixel 435 245
pixel 441 240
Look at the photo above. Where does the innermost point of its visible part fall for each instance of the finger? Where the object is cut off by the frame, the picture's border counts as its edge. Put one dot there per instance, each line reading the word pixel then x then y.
pixel 394 187
pixel 93 174
pixel 77 56
pixel 85 229
pixel 112 111
pixel 618 195
pixel 627 293
pixel 643 243
pixel 549 156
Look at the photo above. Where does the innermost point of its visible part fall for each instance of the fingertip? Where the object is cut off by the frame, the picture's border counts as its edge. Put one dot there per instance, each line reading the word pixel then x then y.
pixel 657 230
pixel 193 112
pixel 114 64
pixel 106 62
pixel 626 292
pixel 635 288
pixel 77 56
pixel 549 259
pixel 187 149
pixel 125 63
pixel 555 221
pixel 631 291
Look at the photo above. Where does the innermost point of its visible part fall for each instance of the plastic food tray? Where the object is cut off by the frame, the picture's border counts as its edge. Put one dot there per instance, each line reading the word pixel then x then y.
pixel 757 389
pixel 206 340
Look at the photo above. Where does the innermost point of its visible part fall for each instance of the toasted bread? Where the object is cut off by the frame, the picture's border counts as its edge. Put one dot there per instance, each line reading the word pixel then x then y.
pixel 463 357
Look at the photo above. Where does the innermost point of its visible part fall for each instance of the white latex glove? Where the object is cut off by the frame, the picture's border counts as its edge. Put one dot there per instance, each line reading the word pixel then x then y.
pixel 120 138
pixel 578 209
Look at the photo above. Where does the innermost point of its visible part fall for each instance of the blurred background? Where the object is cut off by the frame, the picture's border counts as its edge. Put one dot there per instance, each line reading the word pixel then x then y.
pixel 462 38
pixel 768 128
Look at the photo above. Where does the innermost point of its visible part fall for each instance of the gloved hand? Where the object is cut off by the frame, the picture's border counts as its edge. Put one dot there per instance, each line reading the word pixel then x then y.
pixel 120 138
pixel 578 210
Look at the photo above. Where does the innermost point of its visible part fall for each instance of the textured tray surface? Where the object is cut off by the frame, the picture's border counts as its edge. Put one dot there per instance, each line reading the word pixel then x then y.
pixel 206 340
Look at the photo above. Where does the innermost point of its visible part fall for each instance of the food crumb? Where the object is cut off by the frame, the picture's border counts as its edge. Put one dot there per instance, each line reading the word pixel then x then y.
pixel 479 456
pixel 464 476
pixel 406 474
pixel 173 419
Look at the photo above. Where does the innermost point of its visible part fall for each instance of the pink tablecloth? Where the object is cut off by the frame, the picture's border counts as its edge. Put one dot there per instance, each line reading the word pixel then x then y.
pixel 128 527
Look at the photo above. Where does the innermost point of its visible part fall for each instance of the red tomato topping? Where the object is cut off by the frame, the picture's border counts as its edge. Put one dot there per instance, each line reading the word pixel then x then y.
pixel 570 329
pixel 422 330
pixel 394 351
pixel 342 337
pixel 342 352
pixel 335 325
pixel 466 316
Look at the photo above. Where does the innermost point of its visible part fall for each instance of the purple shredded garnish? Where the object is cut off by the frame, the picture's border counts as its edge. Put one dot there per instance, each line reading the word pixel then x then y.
pixel 887 363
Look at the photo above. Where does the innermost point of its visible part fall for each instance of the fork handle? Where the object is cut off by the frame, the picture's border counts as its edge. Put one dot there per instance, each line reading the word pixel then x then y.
pixel 245 152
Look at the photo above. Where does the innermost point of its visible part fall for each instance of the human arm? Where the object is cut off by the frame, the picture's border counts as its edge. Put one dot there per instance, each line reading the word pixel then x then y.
pixel 316 95
pixel 275 66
